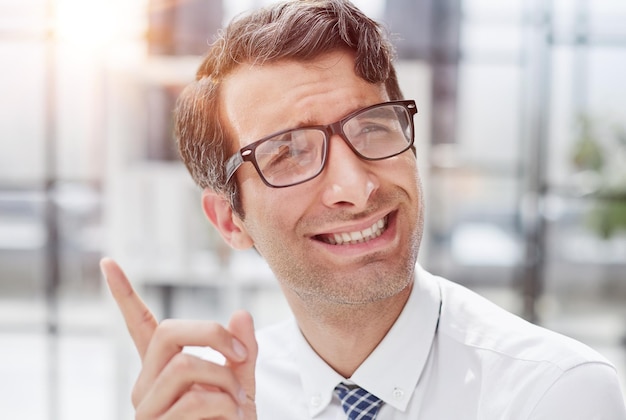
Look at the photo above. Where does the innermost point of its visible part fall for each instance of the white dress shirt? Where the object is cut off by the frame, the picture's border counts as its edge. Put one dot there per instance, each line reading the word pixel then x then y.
pixel 450 355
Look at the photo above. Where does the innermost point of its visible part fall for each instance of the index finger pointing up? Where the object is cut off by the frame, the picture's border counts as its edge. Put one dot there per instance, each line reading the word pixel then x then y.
pixel 140 321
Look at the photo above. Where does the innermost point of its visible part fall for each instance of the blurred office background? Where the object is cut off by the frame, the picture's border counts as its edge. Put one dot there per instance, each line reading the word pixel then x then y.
pixel 521 140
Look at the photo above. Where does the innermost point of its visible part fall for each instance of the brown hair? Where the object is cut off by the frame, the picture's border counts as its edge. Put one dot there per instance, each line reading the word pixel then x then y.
pixel 298 29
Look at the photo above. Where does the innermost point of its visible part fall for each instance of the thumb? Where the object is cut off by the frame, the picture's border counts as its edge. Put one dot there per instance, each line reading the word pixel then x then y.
pixel 241 326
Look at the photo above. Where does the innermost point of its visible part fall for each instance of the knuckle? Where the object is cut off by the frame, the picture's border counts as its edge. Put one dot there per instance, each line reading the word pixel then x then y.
pixel 181 363
pixel 214 329
pixel 218 404
pixel 168 324
pixel 147 317
pixel 165 329
pixel 220 335
pixel 194 401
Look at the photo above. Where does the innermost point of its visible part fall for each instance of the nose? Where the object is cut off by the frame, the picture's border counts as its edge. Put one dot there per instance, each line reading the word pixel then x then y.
pixel 348 180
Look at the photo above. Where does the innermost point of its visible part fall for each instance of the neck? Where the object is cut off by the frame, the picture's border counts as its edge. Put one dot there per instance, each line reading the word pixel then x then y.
pixel 345 335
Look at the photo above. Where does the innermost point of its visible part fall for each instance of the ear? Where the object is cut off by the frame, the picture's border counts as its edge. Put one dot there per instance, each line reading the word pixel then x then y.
pixel 217 209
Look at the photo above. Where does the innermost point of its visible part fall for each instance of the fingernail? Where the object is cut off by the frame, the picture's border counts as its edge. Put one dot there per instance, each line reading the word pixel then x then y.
pixel 239 349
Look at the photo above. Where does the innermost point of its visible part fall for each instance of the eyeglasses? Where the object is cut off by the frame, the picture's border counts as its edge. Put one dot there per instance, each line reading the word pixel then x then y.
pixel 294 156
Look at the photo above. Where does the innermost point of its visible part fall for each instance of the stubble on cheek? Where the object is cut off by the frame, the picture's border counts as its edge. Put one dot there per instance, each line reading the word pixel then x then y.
pixel 303 271
pixel 374 277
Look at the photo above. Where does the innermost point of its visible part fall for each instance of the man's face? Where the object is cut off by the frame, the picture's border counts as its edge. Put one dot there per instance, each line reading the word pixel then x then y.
pixel 291 227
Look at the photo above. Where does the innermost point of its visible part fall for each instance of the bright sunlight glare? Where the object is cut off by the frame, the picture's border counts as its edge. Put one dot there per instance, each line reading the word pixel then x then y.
pixel 96 23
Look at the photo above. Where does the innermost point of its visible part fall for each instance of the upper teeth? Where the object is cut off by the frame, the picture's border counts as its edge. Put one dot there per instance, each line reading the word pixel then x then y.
pixel 359 236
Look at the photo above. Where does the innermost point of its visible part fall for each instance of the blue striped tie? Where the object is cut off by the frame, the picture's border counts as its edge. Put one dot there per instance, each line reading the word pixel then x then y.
pixel 357 402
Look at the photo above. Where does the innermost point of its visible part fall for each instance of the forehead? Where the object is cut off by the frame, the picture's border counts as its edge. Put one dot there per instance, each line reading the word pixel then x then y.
pixel 257 100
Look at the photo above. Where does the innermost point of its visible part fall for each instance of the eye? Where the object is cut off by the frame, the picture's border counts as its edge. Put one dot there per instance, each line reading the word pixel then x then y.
pixel 368 128
pixel 288 150
pixel 364 132
pixel 281 153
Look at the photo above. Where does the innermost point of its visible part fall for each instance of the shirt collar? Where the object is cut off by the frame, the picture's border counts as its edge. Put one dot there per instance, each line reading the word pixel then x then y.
pixel 392 370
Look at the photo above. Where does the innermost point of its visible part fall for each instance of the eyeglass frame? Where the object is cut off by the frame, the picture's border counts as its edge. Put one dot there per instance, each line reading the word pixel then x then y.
pixel 247 153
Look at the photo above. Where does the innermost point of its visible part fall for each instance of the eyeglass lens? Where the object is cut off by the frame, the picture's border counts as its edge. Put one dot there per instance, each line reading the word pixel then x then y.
pixel 298 155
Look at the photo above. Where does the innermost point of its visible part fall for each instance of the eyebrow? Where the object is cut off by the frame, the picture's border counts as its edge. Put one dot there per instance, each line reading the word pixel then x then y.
pixel 381 112
pixel 308 122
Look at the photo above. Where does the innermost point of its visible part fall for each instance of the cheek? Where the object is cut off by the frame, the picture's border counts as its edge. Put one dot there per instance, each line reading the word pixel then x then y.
pixel 405 174
pixel 269 212
pixel 272 227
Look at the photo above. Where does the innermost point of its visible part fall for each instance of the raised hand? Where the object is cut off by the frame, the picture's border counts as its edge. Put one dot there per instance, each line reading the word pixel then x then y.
pixel 176 385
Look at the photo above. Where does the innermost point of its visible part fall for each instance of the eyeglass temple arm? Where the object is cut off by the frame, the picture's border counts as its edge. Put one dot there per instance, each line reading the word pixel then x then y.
pixel 233 164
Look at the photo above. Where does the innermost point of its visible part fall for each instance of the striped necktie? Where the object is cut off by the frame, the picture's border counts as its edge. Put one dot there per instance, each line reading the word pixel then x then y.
pixel 357 402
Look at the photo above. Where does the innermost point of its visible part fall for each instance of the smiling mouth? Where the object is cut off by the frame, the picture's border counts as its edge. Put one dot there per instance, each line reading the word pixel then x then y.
pixel 356 237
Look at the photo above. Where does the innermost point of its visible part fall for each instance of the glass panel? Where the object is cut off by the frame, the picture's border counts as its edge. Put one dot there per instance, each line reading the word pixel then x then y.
pixel 564 15
pixel 80 113
pixel 493 8
pixel 603 19
pixel 607 83
pixel 80 237
pixel 584 271
pixel 489 113
pixel 22 258
pixel 472 220
pixel 562 114
pixel 503 38
pixel 22 112
pixel 607 9
pixel 586 83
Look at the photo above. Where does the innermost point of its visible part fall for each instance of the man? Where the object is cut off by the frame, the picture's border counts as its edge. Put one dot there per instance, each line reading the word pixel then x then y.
pixel 297 132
